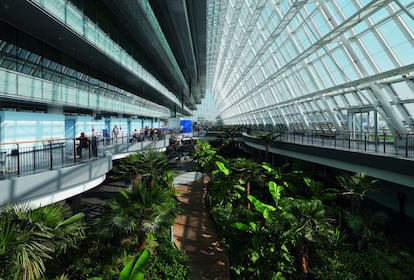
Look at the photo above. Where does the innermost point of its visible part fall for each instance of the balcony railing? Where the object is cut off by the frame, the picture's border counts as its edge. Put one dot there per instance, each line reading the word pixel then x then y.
pixel 29 157
pixel 383 142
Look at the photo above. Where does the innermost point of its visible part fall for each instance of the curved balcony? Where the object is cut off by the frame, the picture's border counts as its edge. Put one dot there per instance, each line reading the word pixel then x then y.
pixel 56 169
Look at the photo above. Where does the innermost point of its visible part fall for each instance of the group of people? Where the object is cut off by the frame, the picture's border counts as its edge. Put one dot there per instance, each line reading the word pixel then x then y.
pixel 137 136
pixel 146 133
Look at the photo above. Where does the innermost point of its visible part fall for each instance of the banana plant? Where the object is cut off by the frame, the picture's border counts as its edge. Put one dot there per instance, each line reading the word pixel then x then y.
pixel 135 268
pixel 205 157
pixel 265 239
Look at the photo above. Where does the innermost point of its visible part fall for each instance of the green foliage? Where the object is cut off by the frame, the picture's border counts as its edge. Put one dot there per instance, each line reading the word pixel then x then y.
pixel 379 262
pixel 356 187
pixel 148 166
pixel 125 273
pixel 139 266
pixel 167 262
pixel 139 210
pixel 290 233
pixel 30 237
pixel 205 157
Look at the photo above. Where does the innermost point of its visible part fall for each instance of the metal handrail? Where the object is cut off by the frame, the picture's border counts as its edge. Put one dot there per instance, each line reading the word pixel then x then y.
pixel 30 157
pixel 382 142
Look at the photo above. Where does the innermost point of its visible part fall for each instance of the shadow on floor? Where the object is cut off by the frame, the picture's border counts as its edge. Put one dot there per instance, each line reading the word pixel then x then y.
pixel 195 233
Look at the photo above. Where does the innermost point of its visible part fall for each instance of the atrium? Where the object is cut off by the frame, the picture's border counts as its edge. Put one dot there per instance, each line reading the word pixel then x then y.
pixel 321 91
pixel 331 74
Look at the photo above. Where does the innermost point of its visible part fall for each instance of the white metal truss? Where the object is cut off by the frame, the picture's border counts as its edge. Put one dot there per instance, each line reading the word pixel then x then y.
pixel 312 61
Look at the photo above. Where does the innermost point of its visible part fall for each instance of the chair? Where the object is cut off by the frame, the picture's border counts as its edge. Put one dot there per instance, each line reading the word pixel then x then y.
pixel 3 157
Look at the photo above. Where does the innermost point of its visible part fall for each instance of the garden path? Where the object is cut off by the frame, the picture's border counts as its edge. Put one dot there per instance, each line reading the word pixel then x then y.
pixel 194 231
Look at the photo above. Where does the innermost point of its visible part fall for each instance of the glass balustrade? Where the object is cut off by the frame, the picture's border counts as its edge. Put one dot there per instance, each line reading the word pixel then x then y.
pixel 29 87
pixel 81 25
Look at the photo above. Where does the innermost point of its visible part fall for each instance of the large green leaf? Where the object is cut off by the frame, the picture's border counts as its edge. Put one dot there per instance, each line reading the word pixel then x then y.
pixel 241 226
pixel 223 168
pixel 275 190
pixel 261 207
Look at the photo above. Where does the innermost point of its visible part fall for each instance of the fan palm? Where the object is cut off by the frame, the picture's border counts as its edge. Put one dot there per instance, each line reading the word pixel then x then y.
pixel 306 222
pixel 152 166
pixel 28 237
pixel 135 212
pixel 268 139
pixel 146 166
pixel 356 187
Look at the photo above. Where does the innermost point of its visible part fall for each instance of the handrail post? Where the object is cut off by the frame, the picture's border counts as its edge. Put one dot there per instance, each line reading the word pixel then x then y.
pixel 365 141
pixel 323 138
pixel 18 160
pixel 89 147
pixel 74 150
pixel 50 155
pixel 383 141
pixel 34 158
pixel 62 154
pixel 406 145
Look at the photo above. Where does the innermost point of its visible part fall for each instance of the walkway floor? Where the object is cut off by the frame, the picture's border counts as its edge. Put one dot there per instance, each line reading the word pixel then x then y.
pixel 194 231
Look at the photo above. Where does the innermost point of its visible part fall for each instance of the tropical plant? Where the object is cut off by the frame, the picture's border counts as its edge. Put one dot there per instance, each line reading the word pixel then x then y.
pixel 146 166
pixel 154 168
pixel 135 212
pixel 205 157
pixel 126 169
pixel 135 268
pixel 269 138
pixel 306 222
pixel 356 187
pixel 366 227
pixel 29 237
pixel 247 172
pixel 291 224
pixel 167 261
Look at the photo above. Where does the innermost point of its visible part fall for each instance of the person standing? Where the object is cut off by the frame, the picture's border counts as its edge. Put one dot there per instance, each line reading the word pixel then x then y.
pixel 115 132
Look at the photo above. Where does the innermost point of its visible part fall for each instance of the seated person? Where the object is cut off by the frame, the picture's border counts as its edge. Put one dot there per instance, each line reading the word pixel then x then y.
pixel 83 143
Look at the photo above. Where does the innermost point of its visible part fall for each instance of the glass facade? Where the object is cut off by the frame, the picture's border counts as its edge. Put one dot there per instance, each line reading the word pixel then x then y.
pixel 79 23
pixel 313 65
pixel 28 75
pixel 33 71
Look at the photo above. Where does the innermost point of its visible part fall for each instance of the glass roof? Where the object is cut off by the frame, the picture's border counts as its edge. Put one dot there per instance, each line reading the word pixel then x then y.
pixel 306 64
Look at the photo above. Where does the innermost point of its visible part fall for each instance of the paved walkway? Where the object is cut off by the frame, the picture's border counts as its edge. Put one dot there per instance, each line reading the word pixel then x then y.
pixel 194 231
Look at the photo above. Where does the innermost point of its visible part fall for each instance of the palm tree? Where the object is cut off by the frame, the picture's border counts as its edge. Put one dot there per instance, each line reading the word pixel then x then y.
pixel 146 166
pixel 356 187
pixel 246 171
pixel 133 213
pixel 152 166
pixel 268 139
pixel 126 170
pixel 298 222
pixel 28 237
pixel 306 222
